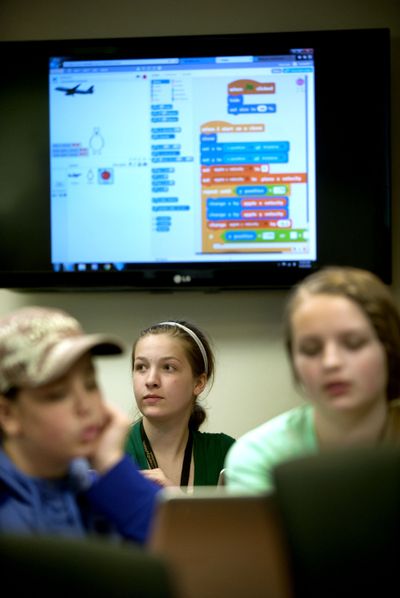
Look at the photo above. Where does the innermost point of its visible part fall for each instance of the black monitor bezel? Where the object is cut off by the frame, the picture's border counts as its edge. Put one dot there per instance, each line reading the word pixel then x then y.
pixel 370 248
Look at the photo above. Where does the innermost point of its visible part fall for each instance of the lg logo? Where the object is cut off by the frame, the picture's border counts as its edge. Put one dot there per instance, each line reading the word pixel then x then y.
pixel 179 278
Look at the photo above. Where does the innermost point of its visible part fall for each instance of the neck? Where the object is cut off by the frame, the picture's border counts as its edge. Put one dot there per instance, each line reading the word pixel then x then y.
pixel 38 466
pixel 351 428
pixel 172 451
pixel 167 437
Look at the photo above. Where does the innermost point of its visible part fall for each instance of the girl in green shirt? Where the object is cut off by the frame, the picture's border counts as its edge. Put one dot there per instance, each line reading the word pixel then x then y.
pixel 172 364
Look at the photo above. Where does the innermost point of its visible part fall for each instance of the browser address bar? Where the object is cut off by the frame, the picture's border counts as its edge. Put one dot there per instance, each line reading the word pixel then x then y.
pixel 127 62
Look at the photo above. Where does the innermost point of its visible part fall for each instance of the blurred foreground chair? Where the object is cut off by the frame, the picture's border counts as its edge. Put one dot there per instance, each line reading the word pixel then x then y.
pixel 51 566
pixel 221 545
pixel 341 516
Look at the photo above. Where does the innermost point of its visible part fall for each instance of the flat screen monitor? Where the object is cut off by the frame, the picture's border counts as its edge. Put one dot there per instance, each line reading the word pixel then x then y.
pixel 211 162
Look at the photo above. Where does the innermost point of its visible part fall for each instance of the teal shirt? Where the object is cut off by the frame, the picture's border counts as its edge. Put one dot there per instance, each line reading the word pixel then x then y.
pixel 250 462
pixel 209 452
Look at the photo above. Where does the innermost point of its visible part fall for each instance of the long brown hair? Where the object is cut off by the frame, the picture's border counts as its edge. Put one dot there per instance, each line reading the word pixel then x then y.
pixel 176 328
pixel 371 295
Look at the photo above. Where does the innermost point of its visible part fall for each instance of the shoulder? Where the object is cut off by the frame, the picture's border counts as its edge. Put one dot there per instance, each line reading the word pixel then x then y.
pixel 251 460
pixel 293 428
pixel 134 445
pixel 213 438
pixel 392 430
pixel 209 442
pixel 133 435
pixel 209 450
pixel 211 445
pixel 294 420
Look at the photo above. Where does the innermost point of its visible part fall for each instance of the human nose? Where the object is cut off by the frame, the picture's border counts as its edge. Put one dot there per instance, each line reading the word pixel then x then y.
pixel 331 356
pixel 152 378
pixel 83 400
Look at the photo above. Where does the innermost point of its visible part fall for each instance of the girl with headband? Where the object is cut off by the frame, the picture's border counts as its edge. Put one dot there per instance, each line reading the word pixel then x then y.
pixel 172 364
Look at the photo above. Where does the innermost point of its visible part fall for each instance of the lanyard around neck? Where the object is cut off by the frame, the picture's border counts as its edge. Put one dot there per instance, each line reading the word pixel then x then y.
pixel 152 461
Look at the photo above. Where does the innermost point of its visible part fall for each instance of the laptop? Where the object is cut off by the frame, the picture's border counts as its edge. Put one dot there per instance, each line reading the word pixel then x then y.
pixel 221 543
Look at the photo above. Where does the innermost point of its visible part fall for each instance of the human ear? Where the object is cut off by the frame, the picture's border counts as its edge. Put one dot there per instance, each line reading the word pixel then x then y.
pixel 297 381
pixel 299 384
pixel 9 422
pixel 200 384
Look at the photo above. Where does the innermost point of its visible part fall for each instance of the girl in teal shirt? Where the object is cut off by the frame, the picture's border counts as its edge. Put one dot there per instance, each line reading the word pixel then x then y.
pixel 342 332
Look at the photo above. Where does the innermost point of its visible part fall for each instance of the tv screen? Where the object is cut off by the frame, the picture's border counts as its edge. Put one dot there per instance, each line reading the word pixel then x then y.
pixel 212 162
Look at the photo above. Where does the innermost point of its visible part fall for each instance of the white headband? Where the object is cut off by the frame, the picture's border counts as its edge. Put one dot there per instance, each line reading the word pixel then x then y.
pixel 194 337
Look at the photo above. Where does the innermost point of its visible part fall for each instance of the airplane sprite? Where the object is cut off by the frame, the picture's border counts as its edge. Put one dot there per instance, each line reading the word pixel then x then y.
pixel 70 91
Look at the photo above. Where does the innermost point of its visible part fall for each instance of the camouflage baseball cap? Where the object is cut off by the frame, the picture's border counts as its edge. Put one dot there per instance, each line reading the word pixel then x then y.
pixel 39 344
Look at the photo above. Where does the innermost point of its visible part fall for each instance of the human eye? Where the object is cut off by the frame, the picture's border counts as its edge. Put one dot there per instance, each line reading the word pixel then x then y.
pixel 309 347
pixel 139 366
pixel 91 383
pixel 54 393
pixel 355 341
pixel 169 367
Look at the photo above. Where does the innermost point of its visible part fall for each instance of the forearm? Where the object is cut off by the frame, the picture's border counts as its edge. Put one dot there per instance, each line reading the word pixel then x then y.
pixel 126 499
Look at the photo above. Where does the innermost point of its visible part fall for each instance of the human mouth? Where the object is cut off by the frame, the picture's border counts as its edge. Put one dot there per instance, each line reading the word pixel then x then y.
pixel 90 433
pixel 337 389
pixel 151 399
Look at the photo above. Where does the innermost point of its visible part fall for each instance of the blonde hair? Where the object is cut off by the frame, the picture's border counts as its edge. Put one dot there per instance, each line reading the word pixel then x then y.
pixel 371 295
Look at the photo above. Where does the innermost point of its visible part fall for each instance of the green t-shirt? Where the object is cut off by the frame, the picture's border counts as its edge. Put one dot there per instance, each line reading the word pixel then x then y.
pixel 250 462
pixel 209 452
